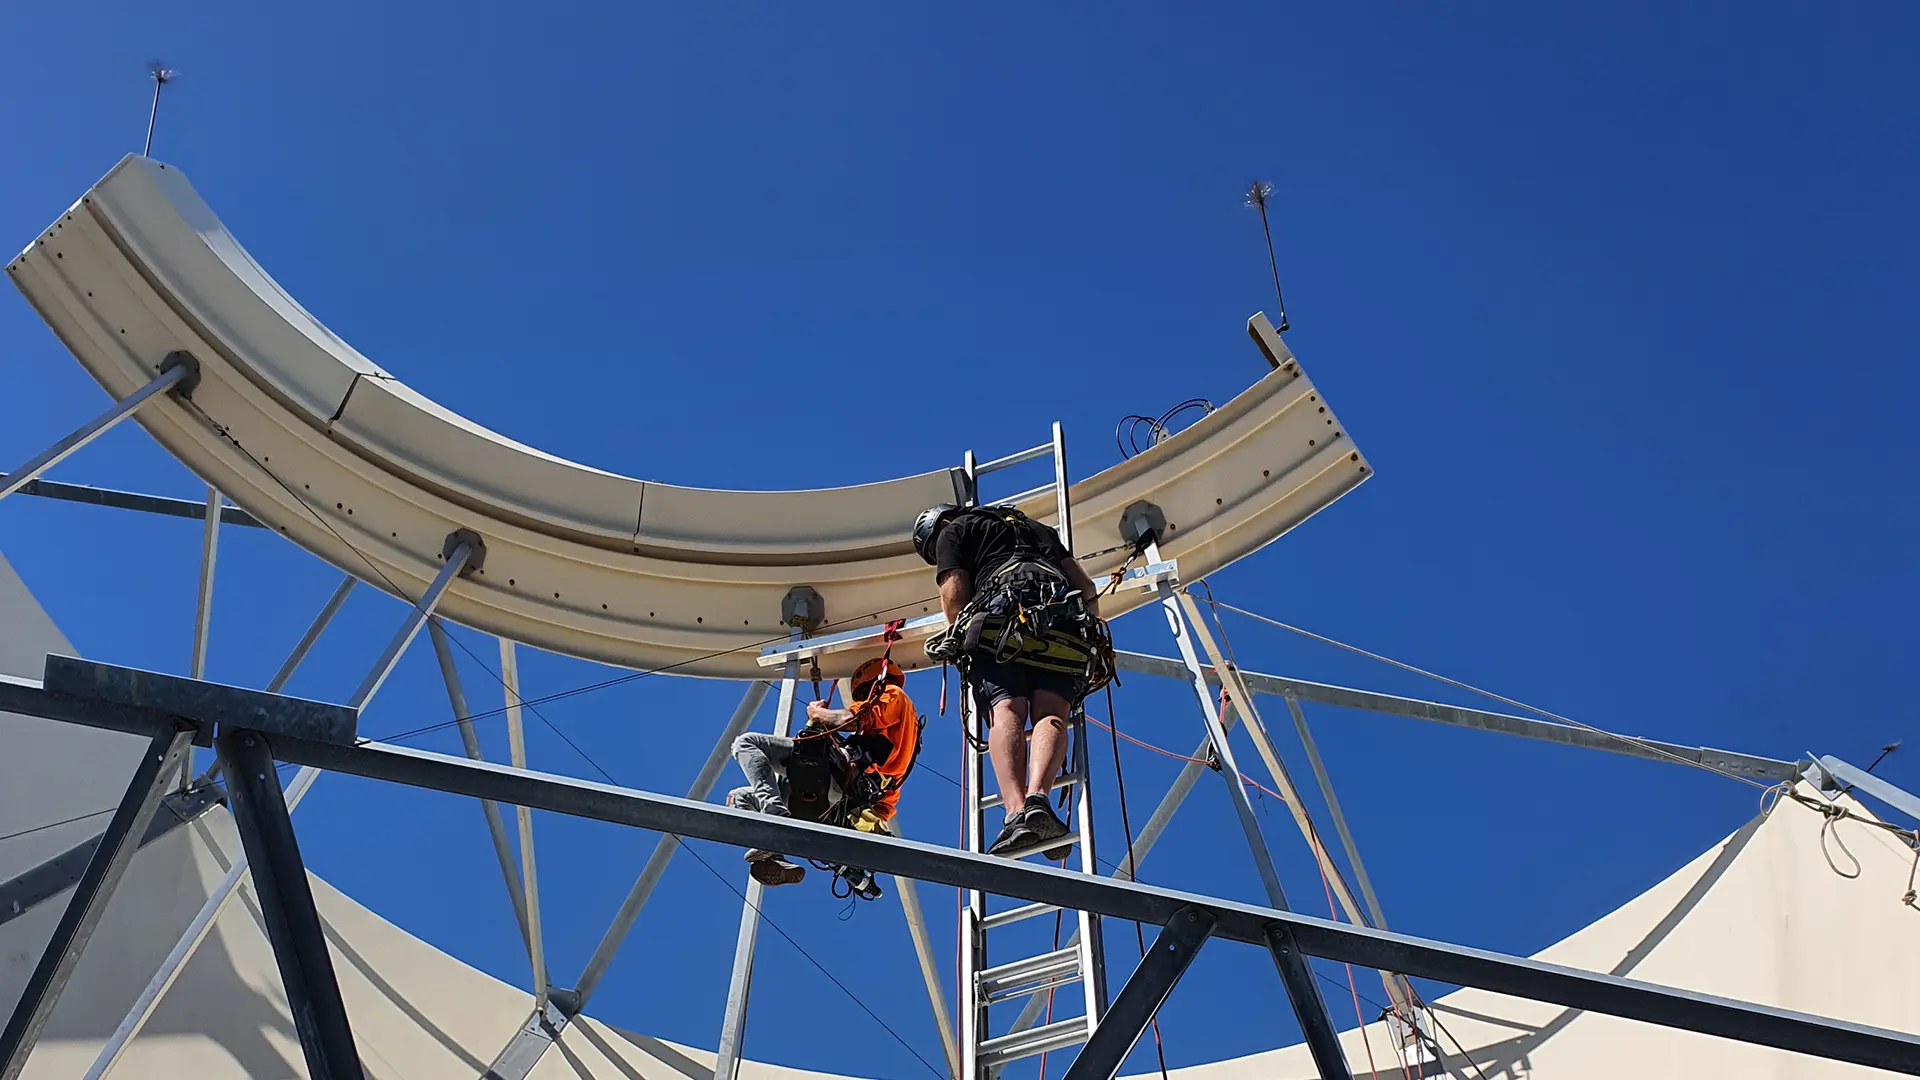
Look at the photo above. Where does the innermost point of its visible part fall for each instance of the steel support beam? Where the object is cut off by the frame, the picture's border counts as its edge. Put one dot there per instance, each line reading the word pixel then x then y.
pixel 456 564
pixel 733 1023
pixel 1850 776
pixel 286 905
pixel 490 810
pixel 90 897
pixel 223 891
pixel 929 966
pixel 1419 957
pixel 1376 915
pixel 133 500
pixel 183 949
pixel 1340 942
pixel 1749 765
pixel 203 608
pixel 524 1051
pixel 305 644
pixel 663 850
pixel 1398 992
pixel 172 375
pixel 1297 978
pixel 1140 1000
pixel 529 876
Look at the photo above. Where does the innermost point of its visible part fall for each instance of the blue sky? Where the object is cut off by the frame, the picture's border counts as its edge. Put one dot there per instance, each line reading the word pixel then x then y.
pixel 1617 302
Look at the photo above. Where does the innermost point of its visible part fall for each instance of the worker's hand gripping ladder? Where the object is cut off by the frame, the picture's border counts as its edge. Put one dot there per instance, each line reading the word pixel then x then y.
pixel 985 982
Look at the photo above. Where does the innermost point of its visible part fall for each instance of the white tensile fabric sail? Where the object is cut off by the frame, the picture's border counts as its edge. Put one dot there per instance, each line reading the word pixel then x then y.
pixel 1763 916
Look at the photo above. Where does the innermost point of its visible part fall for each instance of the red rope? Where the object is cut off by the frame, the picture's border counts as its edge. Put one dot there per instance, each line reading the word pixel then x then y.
pixel 1248 780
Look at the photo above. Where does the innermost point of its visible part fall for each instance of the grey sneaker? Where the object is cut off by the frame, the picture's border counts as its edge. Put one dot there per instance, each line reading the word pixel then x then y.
pixel 1015 833
pixel 1041 821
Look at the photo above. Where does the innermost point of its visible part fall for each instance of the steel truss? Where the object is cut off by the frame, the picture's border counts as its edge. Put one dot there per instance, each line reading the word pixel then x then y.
pixel 251 730
pixel 164 708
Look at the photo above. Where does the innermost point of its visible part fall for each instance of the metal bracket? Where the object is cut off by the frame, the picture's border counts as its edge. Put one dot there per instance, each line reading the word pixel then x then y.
pixel 1142 523
pixel 189 382
pixel 475 545
pixel 803 608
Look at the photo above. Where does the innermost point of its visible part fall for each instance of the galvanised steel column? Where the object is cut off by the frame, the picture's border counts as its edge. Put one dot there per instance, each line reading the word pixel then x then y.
pixel 286 905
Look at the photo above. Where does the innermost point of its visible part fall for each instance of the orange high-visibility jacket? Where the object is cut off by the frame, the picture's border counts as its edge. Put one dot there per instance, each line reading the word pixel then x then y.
pixel 890 715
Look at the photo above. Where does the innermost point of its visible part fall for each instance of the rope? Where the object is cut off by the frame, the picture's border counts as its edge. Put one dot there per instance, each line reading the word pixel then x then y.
pixel 1833 813
pixel 1359 1020
pixel 1640 743
pixel 1208 762
pixel 1133 864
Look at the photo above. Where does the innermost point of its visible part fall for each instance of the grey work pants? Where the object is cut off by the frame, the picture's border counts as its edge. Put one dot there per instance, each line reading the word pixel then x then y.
pixel 763 757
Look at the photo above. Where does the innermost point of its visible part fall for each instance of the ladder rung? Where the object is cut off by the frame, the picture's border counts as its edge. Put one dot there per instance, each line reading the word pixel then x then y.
pixel 1040 968
pixel 1040 1040
pixel 1065 779
pixel 1014 915
pixel 1056 981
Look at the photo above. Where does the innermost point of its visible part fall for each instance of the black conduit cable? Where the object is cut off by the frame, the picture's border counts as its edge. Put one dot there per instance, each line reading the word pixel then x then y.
pixel 1133 866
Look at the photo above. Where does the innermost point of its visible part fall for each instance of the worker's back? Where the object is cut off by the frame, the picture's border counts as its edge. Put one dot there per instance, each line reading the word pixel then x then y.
pixel 890 715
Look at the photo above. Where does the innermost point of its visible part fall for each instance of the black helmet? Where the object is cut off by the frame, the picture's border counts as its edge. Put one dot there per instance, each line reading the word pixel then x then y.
pixel 927 526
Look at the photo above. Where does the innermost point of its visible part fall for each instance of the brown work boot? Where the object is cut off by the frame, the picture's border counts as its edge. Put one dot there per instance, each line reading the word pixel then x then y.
pixel 772 868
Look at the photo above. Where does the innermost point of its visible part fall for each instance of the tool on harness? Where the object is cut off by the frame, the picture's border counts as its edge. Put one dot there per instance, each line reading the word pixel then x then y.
pixel 1028 612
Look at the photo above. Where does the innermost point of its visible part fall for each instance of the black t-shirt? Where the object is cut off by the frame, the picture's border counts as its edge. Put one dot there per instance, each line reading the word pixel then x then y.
pixel 982 543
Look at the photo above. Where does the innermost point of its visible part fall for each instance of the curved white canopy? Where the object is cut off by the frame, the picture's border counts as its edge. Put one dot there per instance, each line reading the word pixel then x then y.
pixel 292 424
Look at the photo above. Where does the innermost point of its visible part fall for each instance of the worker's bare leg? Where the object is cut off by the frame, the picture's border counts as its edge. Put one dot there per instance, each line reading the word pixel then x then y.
pixel 1049 750
pixel 1007 745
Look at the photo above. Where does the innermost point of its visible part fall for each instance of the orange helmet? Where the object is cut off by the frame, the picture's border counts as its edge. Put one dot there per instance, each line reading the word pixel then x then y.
pixel 881 669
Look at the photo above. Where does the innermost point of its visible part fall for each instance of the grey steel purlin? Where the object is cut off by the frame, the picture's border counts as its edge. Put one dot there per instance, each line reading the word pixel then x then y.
pixel 1140 999
pixel 1751 765
pixel 110 859
pixel 1418 957
pixel 286 905
pixel 132 500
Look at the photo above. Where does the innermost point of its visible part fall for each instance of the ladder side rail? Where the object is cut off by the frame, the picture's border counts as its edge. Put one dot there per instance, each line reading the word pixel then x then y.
pixel 973 903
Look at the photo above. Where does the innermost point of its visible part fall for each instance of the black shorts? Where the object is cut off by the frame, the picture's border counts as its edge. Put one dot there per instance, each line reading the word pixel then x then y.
pixel 998 681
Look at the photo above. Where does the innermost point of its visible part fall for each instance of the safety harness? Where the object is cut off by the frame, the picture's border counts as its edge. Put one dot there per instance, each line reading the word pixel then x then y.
pixel 831 777
pixel 1027 612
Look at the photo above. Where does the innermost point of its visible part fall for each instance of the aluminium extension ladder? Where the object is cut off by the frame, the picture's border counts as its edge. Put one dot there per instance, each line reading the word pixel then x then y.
pixel 987 978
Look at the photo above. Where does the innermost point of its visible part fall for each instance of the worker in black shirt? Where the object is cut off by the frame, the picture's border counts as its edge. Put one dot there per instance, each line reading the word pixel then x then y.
pixel 1018 607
